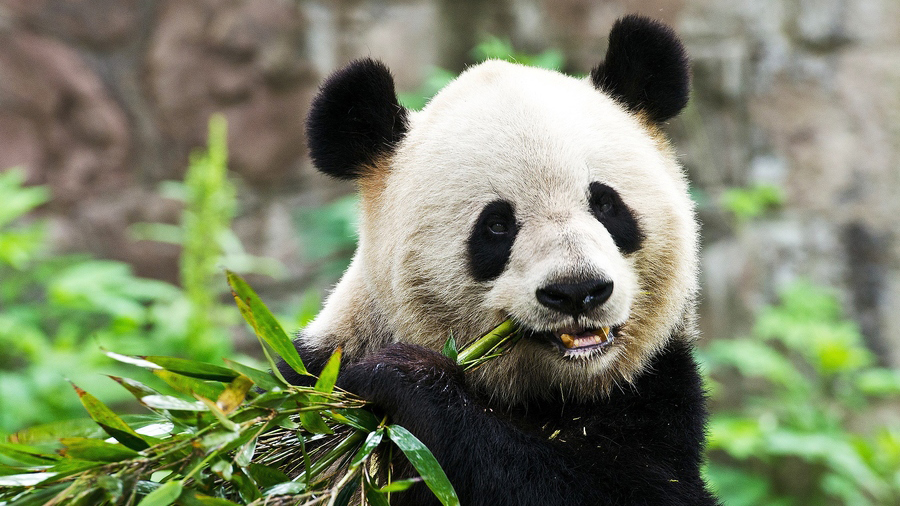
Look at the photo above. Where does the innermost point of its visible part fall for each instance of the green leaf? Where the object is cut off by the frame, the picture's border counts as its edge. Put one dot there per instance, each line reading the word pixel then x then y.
pixel 110 422
pixel 357 418
pixel 263 379
pixel 328 378
pixel 234 394
pixel 136 388
pixel 192 498
pixel 163 496
pixel 422 459
pixel 450 350
pixel 25 479
pixel 372 442
pixel 172 403
pixel 263 322
pixel 399 485
pixel 219 414
pixel 194 369
pixel 312 421
pixel 266 476
pixel 189 385
pixel 96 450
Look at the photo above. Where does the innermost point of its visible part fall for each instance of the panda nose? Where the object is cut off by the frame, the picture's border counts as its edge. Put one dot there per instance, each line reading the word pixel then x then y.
pixel 575 298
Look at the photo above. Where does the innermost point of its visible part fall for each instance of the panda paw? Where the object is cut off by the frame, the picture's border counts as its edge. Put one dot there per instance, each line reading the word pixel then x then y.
pixel 402 376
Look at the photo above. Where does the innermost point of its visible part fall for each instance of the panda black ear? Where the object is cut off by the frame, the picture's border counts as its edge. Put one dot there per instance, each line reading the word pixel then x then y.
pixel 646 68
pixel 355 120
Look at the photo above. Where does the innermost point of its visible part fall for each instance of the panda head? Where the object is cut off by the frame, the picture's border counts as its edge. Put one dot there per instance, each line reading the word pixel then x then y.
pixel 519 193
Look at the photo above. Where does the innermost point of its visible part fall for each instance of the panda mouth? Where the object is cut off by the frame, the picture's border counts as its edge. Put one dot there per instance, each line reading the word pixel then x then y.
pixel 580 342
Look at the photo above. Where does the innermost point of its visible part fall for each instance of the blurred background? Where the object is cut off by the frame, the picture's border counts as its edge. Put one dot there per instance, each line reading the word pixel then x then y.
pixel 147 144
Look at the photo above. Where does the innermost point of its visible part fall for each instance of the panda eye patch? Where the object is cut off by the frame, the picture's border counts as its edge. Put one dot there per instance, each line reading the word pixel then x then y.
pixel 607 206
pixel 497 227
pixel 491 240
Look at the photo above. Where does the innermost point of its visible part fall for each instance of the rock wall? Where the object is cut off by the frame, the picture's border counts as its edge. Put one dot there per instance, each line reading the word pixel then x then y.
pixel 103 99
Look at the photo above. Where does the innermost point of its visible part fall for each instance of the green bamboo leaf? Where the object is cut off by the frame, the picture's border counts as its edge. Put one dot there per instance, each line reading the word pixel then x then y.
pixel 136 388
pixel 25 479
pixel 193 368
pixel 95 450
pixel 40 496
pixel 312 421
pixel 27 455
pixel 399 485
pixel 357 418
pixel 234 394
pixel 244 456
pixel 172 403
pixel 192 498
pixel 266 476
pixel 262 379
pixel 110 422
pixel 328 377
pixel 426 465
pixel 79 427
pixel 163 496
pixel 372 442
pixel 450 350
pixel 264 324
pixel 219 414
pixel 189 385
pixel 374 496
pixel 185 367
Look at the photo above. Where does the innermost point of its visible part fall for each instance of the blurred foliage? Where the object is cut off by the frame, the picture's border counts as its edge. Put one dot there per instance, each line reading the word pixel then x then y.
pixel 806 430
pixel 752 202
pixel 59 309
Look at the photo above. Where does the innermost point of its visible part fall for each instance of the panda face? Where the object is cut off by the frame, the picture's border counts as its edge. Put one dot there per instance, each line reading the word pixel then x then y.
pixel 522 193
pixel 517 193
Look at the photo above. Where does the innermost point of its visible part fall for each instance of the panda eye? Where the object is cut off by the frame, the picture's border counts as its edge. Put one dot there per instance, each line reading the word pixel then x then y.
pixel 497 227
pixel 605 208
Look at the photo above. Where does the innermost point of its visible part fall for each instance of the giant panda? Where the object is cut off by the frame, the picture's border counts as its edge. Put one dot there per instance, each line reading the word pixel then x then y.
pixel 555 201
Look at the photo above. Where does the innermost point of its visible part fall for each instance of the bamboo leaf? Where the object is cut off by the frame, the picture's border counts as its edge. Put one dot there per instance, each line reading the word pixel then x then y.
pixel 266 476
pixel 426 465
pixel 357 418
pixel 189 385
pixel 219 414
pixel 136 388
pixel 262 379
pixel 163 496
pixel 312 421
pixel 328 377
pixel 26 455
pixel 234 394
pixel 372 442
pixel 172 403
pixel 96 450
pixel 263 323
pixel 110 422
pixel 450 350
pixel 399 485
pixel 192 498
pixel 193 368
pixel 25 479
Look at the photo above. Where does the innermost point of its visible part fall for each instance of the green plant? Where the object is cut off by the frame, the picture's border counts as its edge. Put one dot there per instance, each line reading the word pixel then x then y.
pixel 752 202
pixel 221 442
pixel 802 434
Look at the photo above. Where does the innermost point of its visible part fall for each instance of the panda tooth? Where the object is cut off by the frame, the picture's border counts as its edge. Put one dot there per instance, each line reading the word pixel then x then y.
pixel 567 340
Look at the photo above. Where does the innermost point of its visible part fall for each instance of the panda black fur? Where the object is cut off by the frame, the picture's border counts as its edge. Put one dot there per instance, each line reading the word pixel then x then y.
pixel 523 193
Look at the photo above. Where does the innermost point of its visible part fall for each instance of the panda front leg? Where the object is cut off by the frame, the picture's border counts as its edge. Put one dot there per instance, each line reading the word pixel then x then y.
pixel 489 461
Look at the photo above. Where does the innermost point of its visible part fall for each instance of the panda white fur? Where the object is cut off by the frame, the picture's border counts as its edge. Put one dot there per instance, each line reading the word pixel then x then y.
pixel 523 193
